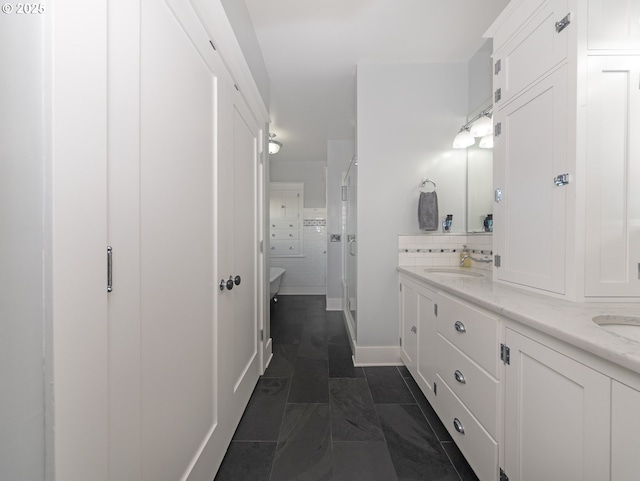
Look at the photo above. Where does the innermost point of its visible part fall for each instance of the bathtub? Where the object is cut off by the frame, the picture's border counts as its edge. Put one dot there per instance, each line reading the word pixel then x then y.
pixel 275 276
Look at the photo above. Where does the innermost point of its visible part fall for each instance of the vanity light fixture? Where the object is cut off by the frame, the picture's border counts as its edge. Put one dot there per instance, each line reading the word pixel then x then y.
pixel 274 145
pixel 479 126
pixel 486 142
pixel 464 139
pixel 483 126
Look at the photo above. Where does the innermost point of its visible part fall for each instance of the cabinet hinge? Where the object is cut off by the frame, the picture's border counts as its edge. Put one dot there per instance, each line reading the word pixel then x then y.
pixel 505 354
pixel 344 192
pixel 435 389
pixel 497 260
pixel 261 247
pixel 503 475
pixel 435 310
pixel 497 95
pixel 262 334
pixel 400 341
pixel 562 24
pixel 497 67
pixel 497 130
pixel 400 287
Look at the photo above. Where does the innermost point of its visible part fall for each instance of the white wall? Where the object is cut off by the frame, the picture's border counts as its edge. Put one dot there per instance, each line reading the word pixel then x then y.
pixel 480 76
pixel 407 116
pixel 22 249
pixel 313 174
pixel 339 153
pixel 240 21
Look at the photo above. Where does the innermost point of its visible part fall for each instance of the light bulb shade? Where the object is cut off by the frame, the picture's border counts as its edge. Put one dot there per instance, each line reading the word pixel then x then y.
pixel 486 142
pixel 274 146
pixel 463 140
pixel 481 127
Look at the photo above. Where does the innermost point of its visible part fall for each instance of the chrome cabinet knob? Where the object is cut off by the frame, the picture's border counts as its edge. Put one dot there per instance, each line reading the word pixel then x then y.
pixel 460 326
pixel 230 283
pixel 458 426
pixel 459 377
pixel 237 280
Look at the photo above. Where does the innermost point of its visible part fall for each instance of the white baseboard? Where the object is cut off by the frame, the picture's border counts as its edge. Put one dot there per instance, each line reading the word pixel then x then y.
pixel 302 291
pixel 377 356
pixel 334 304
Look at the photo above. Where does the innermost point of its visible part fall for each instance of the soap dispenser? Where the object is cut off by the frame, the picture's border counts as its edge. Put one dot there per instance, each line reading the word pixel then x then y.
pixel 465 260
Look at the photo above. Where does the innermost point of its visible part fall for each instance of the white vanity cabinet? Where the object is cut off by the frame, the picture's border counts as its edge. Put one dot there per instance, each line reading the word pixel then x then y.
pixel 556 415
pixel 418 334
pixel 468 386
pixel 613 176
pixel 565 150
pixel 625 432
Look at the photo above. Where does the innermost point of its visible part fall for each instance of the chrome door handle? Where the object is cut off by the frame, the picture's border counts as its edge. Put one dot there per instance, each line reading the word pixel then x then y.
pixel 459 377
pixel 109 269
pixel 236 280
pixel 460 326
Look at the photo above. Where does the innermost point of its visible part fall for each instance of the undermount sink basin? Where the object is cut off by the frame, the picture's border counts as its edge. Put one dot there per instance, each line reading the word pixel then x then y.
pixel 627 326
pixel 452 272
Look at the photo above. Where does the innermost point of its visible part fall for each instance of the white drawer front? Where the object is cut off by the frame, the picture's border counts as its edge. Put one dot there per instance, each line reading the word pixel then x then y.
pixel 476 389
pixel 473 332
pixel 284 234
pixel 285 224
pixel 285 248
pixel 478 447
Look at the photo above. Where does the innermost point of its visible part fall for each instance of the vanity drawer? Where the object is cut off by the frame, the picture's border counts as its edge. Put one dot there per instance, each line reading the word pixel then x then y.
pixel 475 333
pixel 476 389
pixel 477 446
pixel 285 224
pixel 285 248
pixel 285 234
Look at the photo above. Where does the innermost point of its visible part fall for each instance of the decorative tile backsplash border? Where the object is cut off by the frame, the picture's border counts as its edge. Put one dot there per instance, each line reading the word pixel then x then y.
pixel 442 250
pixel 314 222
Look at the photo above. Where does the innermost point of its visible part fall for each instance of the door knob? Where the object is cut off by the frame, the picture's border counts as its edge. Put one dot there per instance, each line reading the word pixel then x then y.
pixel 230 283
pixel 237 280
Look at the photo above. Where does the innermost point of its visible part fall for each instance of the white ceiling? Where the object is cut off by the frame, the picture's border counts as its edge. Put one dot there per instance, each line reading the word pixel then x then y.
pixel 311 49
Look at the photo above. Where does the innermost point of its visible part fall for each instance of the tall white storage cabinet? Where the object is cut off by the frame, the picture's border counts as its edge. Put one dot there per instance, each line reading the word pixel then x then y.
pixel 174 352
pixel 286 200
pixel 567 220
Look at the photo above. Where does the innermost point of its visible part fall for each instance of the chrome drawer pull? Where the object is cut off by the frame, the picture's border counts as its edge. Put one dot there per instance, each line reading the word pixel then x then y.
pixel 458 425
pixel 460 326
pixel 459 377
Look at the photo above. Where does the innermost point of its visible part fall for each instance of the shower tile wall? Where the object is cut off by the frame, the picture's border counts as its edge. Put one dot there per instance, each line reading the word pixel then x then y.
pixel 308 274
pixel 442 250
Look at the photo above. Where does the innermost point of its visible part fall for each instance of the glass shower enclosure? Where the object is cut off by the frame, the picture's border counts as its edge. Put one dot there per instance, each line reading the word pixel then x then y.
pixel 350 251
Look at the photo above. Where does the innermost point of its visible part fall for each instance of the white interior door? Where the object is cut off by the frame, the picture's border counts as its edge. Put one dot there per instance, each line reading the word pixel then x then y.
pixel 238 256
pixel 167 419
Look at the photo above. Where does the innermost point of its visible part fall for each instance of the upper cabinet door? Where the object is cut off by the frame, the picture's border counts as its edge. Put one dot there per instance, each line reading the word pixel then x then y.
pixel 613 24
pixel 612 264
pixel 531 52
pixel 530 220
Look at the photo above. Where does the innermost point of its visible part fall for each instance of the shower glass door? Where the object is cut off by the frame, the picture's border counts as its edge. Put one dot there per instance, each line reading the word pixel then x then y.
pixel 350 262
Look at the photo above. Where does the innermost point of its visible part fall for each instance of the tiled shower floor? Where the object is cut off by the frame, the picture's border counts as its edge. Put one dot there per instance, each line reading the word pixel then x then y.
pixel 313 416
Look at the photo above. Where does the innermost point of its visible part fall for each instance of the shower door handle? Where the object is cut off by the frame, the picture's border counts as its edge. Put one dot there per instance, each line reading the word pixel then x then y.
pixel 352 240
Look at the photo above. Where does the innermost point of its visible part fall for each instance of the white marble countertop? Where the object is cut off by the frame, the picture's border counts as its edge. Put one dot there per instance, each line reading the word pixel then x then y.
pixel 568 321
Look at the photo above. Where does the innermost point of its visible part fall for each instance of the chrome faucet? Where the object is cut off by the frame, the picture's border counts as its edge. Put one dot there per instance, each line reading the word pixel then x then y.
pixel 485 259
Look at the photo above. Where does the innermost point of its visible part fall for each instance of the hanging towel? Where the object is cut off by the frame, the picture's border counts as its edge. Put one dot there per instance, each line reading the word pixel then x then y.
pixel 428 211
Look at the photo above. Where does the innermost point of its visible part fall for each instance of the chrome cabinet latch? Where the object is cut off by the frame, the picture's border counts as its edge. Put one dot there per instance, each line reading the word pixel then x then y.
pixel 562 179
pixel 562 24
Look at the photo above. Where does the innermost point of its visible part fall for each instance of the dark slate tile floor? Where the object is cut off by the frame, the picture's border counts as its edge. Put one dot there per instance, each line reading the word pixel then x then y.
pixel 313 416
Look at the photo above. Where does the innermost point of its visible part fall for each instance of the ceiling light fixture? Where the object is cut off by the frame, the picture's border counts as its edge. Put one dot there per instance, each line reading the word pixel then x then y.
pixel 274 145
